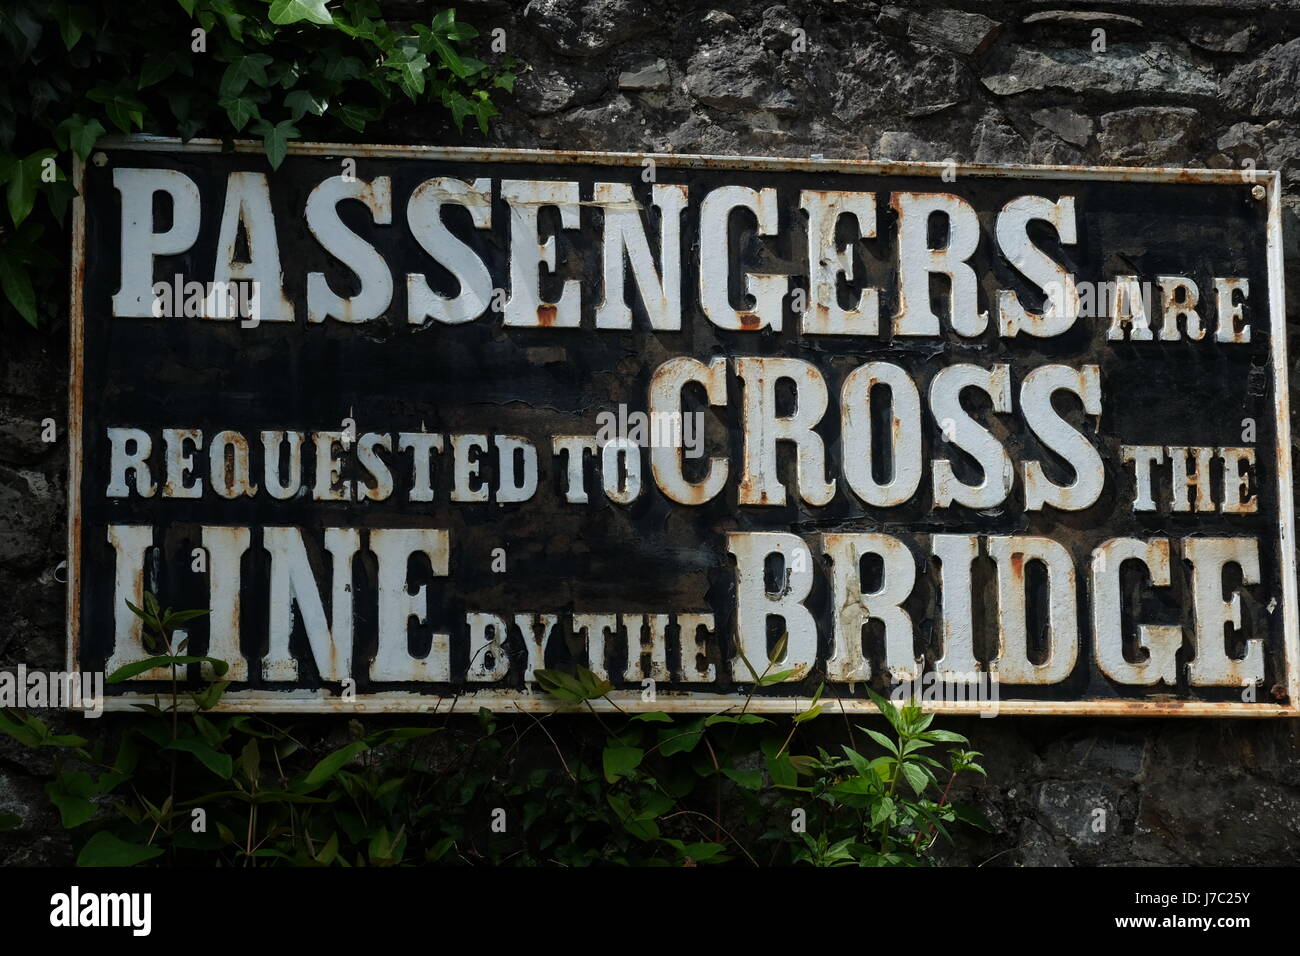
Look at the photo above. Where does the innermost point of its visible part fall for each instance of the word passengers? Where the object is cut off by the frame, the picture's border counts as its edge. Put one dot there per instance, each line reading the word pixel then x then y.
pixel 513 288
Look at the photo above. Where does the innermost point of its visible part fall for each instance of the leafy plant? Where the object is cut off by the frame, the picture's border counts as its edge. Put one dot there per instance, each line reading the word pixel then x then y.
pixel 274 69
pixel 185 786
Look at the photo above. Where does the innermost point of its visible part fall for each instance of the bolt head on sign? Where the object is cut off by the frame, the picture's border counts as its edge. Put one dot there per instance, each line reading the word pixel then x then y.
pixel 415 426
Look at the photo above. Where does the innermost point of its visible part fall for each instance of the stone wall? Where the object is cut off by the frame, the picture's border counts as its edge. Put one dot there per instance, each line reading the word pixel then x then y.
pixel 1180 82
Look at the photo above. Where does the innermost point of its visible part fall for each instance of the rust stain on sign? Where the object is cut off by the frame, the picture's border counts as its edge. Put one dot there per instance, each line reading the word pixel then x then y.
pixel 1013 441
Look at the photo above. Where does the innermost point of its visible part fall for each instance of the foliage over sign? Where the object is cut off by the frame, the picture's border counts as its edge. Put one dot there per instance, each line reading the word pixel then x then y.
pixel 75 71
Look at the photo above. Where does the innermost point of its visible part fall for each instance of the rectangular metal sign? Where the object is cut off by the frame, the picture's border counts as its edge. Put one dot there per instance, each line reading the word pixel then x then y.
pixel 413 424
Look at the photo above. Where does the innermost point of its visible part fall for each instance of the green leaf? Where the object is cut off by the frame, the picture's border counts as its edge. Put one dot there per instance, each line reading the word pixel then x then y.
pixel 213 759
pixel 105 849
pixel 859 762
pixel 585 686
pixel 699 852
pixel 889 710
pixel 284 12
pixel 735 719
pixel 355 117
pixel 944 737
pixel 275 139
pixel 881 739
pixel 449 58
pixel 681 740
pixel 155 69
pixel 640 825
pixel 207 699
pixel 332 764
pixel 329 851
pixel 917 777
pixel 283 796
pixel 782 771
pixel 804 766
pixel 242 70
pixel 654 717
pixel 241 111
pixel 68 792
pixel 127 671
pixel 969 814
pixel 17 285
pixel 251 761
pixel 80 134
pixel 595 687
pixel 24 180
pixel 749 779
pixel 9 821
pixel 234 21
pixel 777 652
pixel 409 67
pixel 808 714
pixel 559 684
pixel 124 110
pixel 621 762
pixel 301 102
pixel 74 22
pixel 883 810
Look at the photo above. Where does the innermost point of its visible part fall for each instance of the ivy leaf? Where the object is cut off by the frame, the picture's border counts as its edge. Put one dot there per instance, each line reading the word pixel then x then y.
pixel 284 12
pixel 78 134
pixel 156 69
pixel 234 21
pixel 123 109
pixel 355 117
pixel 74 22
pixel 24 177
pixel 17 285
pixel 275 139
pixel 241 112
pixel 460 107
pixel 242 70
pixel 105 849
pixel 409 65
pixel 301 102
